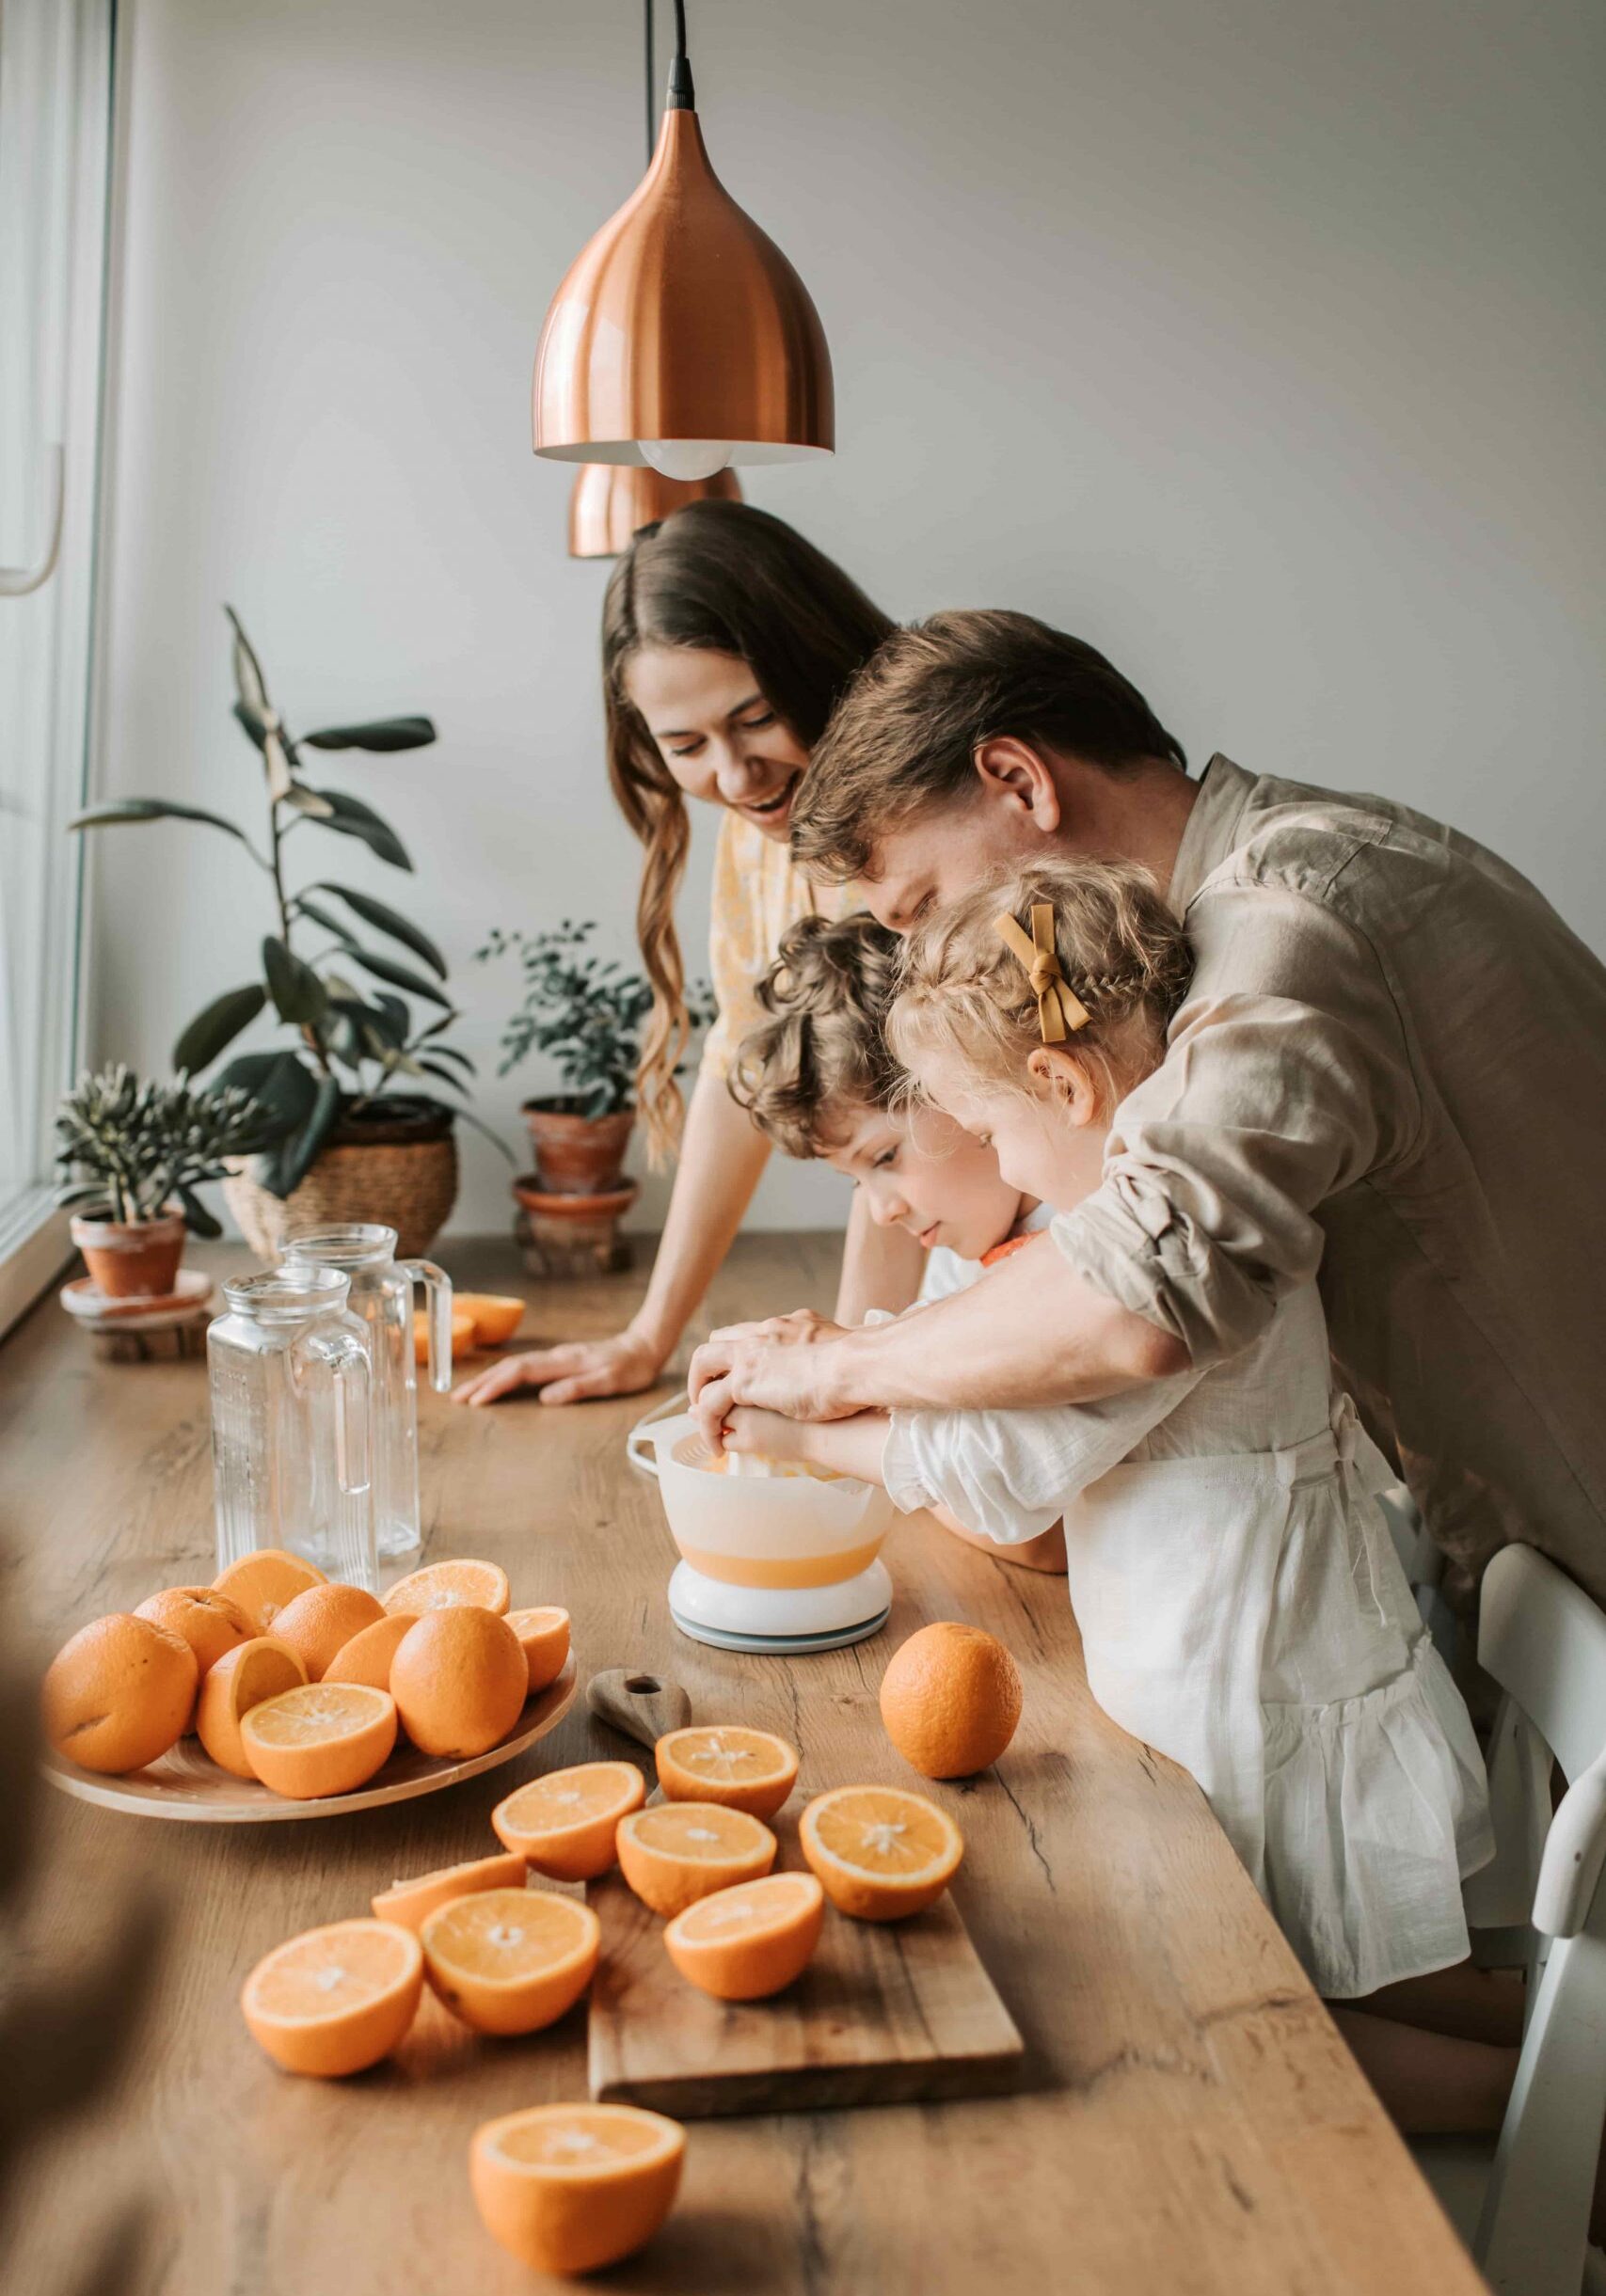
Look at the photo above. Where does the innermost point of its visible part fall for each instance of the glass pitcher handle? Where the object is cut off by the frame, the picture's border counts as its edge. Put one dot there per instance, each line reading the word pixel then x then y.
pixel 437 1300
pixel 346 1357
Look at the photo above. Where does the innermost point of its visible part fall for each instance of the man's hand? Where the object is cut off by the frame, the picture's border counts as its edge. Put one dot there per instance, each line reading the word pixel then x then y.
pixel 786 1371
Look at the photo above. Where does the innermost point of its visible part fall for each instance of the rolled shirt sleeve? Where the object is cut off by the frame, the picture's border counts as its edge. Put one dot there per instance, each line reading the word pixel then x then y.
pixel 1287 1078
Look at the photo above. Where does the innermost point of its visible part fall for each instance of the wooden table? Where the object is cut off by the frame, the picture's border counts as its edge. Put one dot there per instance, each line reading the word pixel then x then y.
pixel 1192 2121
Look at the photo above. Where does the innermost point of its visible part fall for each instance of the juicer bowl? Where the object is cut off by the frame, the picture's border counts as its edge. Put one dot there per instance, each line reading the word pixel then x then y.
pixel 773 1533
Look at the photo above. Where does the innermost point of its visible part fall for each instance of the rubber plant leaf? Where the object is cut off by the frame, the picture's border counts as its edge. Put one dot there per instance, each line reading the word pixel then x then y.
pixel 352 819
pixel 400 976
pixel 149 809
pixel 298 992
pixel 382 733
pixel 386 920
pixel 212 1030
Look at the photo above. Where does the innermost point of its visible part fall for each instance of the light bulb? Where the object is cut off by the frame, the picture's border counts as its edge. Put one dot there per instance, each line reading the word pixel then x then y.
pixel 686 458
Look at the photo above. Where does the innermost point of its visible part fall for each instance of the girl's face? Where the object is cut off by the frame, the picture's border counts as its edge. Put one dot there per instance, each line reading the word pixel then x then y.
pixel 716 733
pixel 1044 1144
pixel 923 1173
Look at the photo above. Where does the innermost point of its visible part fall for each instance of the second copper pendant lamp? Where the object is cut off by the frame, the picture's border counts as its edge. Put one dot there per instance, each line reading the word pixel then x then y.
pixel 680 341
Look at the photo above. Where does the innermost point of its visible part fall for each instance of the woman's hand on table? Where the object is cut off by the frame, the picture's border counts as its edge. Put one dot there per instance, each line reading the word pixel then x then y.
pixel 623 1364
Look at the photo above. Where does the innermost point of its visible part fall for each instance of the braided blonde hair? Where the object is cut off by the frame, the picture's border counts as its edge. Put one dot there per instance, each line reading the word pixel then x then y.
pixel 962 989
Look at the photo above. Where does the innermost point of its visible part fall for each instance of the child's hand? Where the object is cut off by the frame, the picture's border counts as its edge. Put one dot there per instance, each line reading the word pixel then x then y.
pixel 765 1434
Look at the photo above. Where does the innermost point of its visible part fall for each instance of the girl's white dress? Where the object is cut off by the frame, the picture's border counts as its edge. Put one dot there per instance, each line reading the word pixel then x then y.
pixel 1242 1610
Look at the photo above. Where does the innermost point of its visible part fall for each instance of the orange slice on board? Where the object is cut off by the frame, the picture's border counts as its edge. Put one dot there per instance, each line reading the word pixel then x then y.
pixel 743 1769
pixel 209 1622
pixel 879 1852
pixel 367 1657
pixel 463 1338
pixel 439 1585
pixel 319 1624
pixel 681 1851
pixel 544 1637
pixel 264 1581
pixel 744 1944
pixel 327 1738
pixel 565 1824
pixel 119 1693
pixel 511 1960
pixel 335 2001
pixel 409 1902
pixel 496 1316
pixel 569 2188
pixel 460 1680
pixel 242 1678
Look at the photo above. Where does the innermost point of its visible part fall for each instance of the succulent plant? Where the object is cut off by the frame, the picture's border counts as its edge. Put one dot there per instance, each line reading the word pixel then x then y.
pixel 128 1146
pixel 584 1013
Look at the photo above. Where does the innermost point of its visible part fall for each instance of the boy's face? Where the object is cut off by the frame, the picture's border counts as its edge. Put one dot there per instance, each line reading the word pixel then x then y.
pixel 924 1173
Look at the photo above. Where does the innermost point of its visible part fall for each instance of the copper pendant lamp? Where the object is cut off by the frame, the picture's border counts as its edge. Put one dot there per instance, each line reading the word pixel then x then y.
pixel 681 336
pixel 612 502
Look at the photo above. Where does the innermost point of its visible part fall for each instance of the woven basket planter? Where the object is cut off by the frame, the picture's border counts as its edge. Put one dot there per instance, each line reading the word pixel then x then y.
pixel 410 1186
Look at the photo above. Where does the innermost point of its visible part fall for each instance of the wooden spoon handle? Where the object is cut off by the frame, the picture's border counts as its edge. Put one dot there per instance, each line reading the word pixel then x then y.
pixel 643 1706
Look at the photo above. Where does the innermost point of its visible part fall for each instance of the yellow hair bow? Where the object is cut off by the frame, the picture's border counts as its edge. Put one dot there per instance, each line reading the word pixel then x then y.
pixel 1060 1012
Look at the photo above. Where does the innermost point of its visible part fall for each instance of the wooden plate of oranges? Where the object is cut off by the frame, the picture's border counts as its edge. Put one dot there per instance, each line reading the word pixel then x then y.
pixel 276 1694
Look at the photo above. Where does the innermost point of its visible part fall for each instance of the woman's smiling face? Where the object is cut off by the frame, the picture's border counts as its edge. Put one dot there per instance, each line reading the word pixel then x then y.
pixel 716 733
pixel 922 1173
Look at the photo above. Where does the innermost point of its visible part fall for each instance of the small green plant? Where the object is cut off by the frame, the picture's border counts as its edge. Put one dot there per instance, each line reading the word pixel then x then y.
pixel 129 1147
pixel 584 1013
pixel 353 1042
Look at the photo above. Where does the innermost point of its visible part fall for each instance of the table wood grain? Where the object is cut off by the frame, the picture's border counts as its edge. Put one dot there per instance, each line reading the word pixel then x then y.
pixel 1192 2120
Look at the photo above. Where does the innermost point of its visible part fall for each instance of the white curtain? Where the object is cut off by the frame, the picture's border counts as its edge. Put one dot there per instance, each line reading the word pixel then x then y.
pixel 55 91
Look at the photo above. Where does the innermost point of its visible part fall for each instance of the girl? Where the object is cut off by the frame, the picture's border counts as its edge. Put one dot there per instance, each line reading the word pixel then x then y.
pixel 1241 1603
pixel 726 639
pixel 818 1080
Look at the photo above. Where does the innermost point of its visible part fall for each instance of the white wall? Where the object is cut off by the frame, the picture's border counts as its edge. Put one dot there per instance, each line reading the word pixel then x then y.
pixel 1260 342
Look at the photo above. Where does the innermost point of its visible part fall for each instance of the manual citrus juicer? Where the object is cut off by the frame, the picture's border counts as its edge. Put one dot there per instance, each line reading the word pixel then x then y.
pixel 783 1562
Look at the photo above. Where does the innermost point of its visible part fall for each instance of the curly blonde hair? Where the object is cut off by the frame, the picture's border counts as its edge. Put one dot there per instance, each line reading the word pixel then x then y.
pixel 823 1050
pixel 962 989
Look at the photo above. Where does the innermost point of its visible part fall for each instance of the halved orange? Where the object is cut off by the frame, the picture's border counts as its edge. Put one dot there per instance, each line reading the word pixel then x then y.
pixel 367 1657
pixel 439 1585
pixel 681 1851
pixel 240 1679
pixel 510 1960
pixel 569 2188
pixel 880 1852
pixel 463 1340
pixel 743 1769
pixel 544 1637
pixel 496 1316
pixel 335 2001
pixel 409 1902
pixel 327 1738
pixel 265 1580
pixel 746 1943
pixel 565 1824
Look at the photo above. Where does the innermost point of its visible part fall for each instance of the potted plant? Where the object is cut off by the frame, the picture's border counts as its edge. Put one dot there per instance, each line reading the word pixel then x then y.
pixel 362 1129
pixel 132 1154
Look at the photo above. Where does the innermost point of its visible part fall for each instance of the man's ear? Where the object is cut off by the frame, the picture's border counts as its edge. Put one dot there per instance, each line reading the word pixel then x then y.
pixel 1068 1081
pixel 1013 771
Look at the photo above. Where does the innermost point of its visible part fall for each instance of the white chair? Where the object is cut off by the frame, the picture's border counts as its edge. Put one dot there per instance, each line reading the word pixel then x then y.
pixel 1545 1643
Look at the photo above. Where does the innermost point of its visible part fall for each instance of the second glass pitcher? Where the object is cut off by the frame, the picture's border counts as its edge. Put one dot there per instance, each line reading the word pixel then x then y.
pixel 382 1294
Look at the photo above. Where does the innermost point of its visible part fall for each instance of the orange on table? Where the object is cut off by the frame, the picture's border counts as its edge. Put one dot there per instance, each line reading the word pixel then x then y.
pixel 681 1851
pixel 569 2188
pixel 319 1624
pixel 460 1680
pixel 882 1853
pixel 119 1693
pixel 265 1580
pixel 242 1678
pixel 463 1342
pixel 496 1316
pixel 510 1960
pixel 439 1585
pixel 743 1769
pixel 565 1824
pixel 950 1699
pixel 544 1637
pixel 209 1622
pixel 746 1943
pixel 324 1739
pixel 367 1657
pixel 336 2000
pixel 408 1902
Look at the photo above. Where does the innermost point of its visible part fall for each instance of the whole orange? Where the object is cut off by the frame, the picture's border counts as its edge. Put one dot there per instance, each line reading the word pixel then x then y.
pixel 459 1679
pixel 950 1699
pixel 321 1622
pixel 119 1693
pixel 209 1622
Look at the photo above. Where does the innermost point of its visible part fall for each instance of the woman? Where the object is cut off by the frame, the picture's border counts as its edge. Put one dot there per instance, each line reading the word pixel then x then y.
pixel 726 639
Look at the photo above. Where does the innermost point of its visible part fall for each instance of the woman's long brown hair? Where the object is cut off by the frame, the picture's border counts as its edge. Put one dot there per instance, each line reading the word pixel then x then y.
pixel 725 578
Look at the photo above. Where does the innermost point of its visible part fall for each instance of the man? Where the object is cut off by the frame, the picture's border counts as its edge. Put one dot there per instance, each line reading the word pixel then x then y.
pixel 1391 1065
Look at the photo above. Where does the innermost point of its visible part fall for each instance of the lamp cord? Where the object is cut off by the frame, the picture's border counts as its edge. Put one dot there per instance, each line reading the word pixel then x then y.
pixel 682 96
pixel 652 118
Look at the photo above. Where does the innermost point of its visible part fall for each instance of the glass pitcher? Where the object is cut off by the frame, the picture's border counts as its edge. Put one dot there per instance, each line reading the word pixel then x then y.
pixel 289 1374
pixel 382 1294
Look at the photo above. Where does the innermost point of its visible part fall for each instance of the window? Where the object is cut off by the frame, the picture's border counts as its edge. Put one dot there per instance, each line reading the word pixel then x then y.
pixel 56 94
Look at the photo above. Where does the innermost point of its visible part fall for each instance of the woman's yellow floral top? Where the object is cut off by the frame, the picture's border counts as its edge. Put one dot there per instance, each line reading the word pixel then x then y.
pixel 758 893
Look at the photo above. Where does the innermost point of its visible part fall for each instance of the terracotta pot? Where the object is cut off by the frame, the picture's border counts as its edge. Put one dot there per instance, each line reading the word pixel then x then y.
pixel 132 1258
pixel 407 1182
pixel 578 1155
pixel 562 1235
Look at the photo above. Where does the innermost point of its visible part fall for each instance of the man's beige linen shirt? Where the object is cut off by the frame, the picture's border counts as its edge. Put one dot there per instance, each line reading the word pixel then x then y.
pixel 1391 1068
